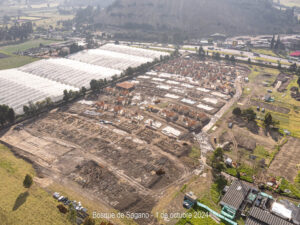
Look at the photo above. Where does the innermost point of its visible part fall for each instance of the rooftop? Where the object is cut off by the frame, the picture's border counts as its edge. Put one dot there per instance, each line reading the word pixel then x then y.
pixel 235 195
pixel 125 85
pixel 263 217
pixel 295 54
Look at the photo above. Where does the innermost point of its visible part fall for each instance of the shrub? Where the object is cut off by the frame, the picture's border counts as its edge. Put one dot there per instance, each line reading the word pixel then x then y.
pixel 62 209
pixel 27 181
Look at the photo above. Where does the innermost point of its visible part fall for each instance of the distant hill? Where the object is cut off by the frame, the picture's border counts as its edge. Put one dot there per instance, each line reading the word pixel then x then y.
pixel 199 17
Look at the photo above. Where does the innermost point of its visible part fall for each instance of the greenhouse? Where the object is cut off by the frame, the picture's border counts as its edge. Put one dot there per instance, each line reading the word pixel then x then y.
pixel 50 77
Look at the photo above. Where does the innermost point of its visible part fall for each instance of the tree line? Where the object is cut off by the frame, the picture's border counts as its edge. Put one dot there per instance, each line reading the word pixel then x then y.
pixel 16 32
pixel 7 115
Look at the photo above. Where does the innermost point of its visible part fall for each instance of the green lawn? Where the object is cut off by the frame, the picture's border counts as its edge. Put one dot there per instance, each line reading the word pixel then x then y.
pixel 21 206
pixel 258 70
pixel 26 45
pixel 264 52
pixel 14 61
pixel 245 171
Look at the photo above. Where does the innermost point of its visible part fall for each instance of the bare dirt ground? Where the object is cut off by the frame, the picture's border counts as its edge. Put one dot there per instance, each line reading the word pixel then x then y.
pixel 286 161
pixel 105 148
pixel 124 171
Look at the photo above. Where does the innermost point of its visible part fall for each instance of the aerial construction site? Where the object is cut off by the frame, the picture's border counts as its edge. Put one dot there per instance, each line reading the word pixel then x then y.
pixel 127 145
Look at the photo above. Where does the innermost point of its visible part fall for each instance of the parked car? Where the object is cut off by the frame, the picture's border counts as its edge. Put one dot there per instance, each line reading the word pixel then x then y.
pixel 56 195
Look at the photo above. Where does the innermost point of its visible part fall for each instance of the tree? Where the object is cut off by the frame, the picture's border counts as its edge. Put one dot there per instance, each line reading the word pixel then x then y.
pixel 129 71
pixel 3 114
pixel 249 60
pixel 83 91
pixel 26 110
pixel 272 42
pixel 298 81
pixel 293 67
pixel 218 159
pixel 217 56
pixel 66 97
pixel 27 181
pixel 7 114
pixel 249 114
pixel 94 85
pixel 89 221
pixel 237 111
pixel 268 120
pixel 201 53
pixel 279 65
pixel 75 48
pixel 11 115
pixel 227 57
pixel 48 102
pixel 232 58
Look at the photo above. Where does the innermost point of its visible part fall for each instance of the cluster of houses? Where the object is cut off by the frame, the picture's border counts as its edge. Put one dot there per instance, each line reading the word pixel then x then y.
pixel 259 208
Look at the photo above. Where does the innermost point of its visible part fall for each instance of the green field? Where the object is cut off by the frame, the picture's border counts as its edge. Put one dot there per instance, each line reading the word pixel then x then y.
pixel 13 60
pixel 21 206
pixel 290 121
pixel 264 52
pixel 257 70
pixel 26 45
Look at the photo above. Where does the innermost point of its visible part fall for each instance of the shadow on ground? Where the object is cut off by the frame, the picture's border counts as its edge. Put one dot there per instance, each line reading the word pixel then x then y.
pixel 20 200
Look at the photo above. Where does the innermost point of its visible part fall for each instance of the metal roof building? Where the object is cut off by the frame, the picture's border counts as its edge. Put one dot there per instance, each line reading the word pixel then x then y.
pixel 235 195
pixel 259 216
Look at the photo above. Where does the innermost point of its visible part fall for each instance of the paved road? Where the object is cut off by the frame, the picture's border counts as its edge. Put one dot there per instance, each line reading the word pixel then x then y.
pixel 252 57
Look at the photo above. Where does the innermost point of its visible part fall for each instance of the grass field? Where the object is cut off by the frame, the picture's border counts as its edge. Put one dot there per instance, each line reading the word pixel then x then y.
pixel 49 18
pixel 26 45
pixel 19 205
pixel 264 52
pixel 13 60
pixel 290 121
pixel 271 61
pixel 257 70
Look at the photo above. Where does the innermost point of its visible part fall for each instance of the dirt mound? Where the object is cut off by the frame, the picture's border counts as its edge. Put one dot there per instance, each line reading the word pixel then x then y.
pixel 245 142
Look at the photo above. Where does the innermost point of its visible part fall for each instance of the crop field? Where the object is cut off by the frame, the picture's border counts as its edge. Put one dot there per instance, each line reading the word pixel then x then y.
pixel 16 202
